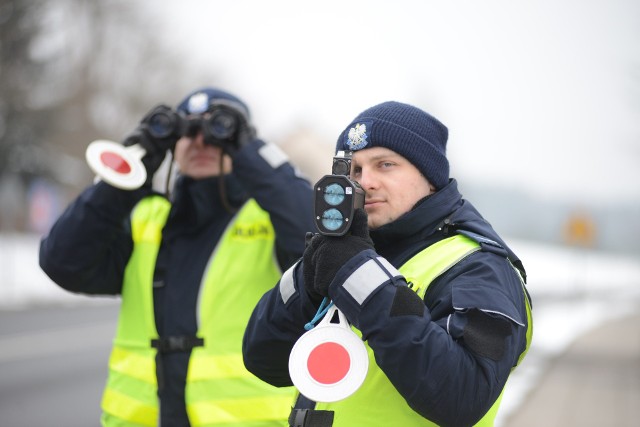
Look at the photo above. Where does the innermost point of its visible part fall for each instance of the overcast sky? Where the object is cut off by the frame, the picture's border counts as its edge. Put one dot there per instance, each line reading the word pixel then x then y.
pixel 542 95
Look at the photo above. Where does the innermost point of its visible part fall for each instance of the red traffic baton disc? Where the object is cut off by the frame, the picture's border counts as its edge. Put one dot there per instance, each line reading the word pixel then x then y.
pixel 329 362
pixel 116 164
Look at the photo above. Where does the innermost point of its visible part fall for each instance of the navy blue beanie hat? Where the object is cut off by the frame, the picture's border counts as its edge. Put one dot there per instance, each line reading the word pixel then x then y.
pixel 198 101
pixel 407 130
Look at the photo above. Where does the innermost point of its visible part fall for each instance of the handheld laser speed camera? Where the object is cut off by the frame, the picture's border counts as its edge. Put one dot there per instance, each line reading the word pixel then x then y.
pixel 337 197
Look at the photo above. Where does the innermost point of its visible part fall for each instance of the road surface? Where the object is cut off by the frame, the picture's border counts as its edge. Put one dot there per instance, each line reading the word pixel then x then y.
pixel 53 364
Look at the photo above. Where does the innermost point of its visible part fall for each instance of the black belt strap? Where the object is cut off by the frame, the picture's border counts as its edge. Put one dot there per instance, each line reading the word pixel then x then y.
pixel 176 343
pixel 310 418
pixel 172 344
pixel 303 414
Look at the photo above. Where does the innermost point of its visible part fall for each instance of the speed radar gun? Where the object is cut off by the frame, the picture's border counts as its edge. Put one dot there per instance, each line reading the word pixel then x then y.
pixel 337 197
pixel 121 165
pixel 329 362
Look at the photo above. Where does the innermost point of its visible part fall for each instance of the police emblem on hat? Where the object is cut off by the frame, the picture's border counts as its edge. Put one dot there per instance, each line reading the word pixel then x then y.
pixel 198 103
pixel 356 138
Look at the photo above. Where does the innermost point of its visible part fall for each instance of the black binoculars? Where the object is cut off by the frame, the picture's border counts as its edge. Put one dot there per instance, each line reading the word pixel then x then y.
pixel 219 124
pixel 337 197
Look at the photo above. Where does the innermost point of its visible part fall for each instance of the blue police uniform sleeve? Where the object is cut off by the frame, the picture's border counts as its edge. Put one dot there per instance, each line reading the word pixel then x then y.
pixel 274 327
pixel 441 376
pixel 88 247
pixel 270 178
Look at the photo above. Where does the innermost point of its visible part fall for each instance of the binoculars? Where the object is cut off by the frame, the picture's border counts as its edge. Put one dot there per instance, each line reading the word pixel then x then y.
pixel 121 165
pixel 337 197
pixel 219 124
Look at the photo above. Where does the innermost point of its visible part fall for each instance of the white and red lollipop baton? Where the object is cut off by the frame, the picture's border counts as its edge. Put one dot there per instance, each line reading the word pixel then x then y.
pixel 329 362
pixel 116 164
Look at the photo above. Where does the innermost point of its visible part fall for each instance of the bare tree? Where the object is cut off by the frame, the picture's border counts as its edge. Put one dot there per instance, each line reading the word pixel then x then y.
pixel 73 71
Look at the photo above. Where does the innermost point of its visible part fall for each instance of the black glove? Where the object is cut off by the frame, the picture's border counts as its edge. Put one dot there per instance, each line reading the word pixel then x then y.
pixel 157 132
pixel 325 255
pixel 228 126
pixel 153 157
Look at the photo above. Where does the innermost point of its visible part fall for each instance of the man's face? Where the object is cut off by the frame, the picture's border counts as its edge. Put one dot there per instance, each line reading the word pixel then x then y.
pixel 199 160
pixel 391 183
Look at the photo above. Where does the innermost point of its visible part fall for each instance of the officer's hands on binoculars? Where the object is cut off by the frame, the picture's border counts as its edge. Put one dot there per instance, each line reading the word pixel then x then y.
pixel 224 124
pixel 325 255
pixel 157 132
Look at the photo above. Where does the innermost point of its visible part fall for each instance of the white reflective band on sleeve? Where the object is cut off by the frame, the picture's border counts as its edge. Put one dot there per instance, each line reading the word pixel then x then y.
pixel 366 279
pixel 286 284
pixel 273 155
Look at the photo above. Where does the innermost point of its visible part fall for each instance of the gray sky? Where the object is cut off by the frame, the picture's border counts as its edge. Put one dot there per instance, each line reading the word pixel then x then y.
pixel 543 95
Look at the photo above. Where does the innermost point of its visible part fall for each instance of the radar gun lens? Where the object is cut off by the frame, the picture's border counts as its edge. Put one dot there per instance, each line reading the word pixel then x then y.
pixel 332 219
pixel 334 194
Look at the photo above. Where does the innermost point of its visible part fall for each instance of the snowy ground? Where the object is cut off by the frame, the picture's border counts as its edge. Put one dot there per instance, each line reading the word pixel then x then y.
pixel 573 290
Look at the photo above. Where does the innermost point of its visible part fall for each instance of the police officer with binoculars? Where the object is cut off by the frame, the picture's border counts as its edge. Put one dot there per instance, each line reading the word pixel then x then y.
pixel 189 267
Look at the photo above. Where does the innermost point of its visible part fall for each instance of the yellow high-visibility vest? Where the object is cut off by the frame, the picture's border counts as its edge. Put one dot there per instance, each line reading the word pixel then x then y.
pixel 377 402
pixel 219 390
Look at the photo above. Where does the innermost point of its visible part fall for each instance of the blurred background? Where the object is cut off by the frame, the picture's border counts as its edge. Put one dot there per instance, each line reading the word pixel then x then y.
pixel 542 102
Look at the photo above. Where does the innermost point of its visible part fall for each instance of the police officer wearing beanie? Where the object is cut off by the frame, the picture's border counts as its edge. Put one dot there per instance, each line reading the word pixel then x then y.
pixel 437 295
pixel 189 266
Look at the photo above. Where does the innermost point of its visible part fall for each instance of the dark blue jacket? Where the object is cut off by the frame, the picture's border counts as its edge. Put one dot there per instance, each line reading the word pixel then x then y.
pixel 89 247
pixel 468 351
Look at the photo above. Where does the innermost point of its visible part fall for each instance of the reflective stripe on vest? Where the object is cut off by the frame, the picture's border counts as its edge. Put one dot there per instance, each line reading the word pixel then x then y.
pixel 219 389
pixel 377 402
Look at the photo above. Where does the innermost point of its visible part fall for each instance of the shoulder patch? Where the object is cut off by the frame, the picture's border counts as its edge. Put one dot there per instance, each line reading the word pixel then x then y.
pixel 406 302
pixel 485 334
